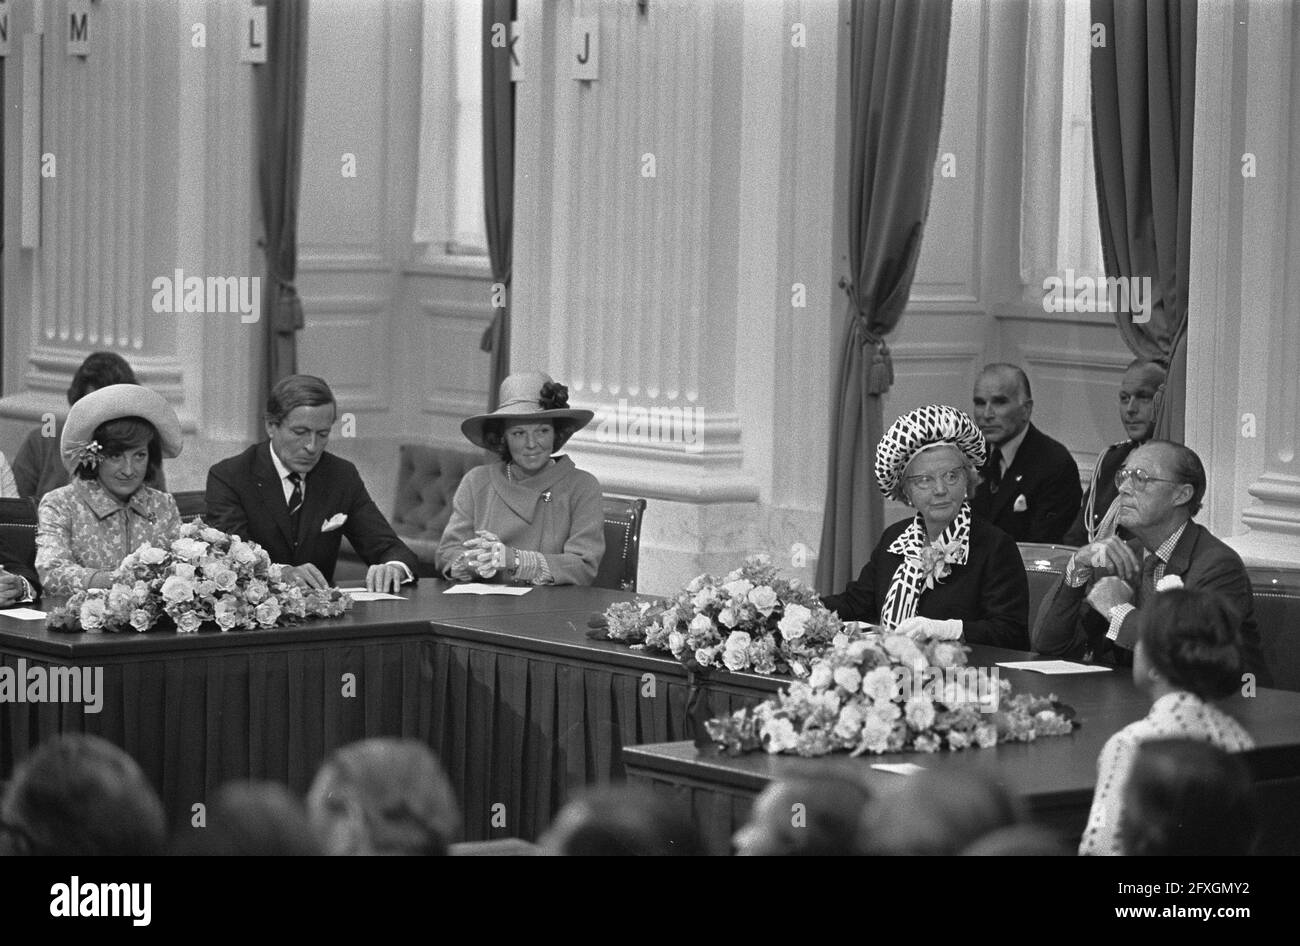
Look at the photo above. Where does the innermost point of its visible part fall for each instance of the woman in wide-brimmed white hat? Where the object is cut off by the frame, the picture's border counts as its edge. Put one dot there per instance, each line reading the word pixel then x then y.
pixel 943 573
pixel 113 444
pixel 532 516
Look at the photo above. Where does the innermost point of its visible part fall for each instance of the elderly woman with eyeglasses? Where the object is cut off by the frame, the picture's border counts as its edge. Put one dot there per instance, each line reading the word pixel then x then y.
pixel 943 573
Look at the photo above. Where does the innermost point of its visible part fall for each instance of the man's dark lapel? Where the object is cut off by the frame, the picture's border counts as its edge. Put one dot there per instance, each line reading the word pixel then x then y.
pixel 270 492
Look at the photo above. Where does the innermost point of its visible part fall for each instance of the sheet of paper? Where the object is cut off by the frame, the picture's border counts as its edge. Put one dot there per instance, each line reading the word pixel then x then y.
pixel 24 614
pixel 899 768
pixel 360 594
pixel 477 588
pixel 1053 666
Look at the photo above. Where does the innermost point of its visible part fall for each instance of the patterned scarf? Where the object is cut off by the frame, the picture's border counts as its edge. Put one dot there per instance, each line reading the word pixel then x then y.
pixel 924 564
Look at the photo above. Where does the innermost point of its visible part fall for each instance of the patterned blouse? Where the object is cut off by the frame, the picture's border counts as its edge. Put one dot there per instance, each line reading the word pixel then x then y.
pixel 1173 716
pixel 84 530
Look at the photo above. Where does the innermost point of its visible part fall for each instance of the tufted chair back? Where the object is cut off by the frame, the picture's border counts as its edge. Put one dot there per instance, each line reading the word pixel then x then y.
pixel 427 478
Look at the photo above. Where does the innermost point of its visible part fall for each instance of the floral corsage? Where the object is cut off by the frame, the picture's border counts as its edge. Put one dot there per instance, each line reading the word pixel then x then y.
pixel 937 561
pixel 88 454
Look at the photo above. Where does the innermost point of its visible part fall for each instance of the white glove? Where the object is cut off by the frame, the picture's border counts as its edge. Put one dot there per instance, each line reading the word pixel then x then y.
pixel 921 629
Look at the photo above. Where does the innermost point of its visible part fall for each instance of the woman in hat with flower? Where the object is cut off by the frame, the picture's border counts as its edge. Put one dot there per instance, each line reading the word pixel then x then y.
pixel 113 444
pixel 530 517
pixel 942 573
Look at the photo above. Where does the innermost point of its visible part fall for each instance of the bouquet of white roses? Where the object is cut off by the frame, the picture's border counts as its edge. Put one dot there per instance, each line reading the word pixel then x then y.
pixel 750 620
pixel 202 576
pixel 888 693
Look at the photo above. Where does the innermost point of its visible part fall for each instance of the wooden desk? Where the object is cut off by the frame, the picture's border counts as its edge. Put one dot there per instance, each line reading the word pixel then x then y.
pixel 1054 776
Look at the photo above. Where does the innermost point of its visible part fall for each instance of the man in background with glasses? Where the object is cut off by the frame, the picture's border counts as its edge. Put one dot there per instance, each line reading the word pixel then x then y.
pixel 1092 613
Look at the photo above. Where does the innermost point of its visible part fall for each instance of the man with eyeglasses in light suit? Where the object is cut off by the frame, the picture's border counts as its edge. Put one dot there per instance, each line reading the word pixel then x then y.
pixel 1092 612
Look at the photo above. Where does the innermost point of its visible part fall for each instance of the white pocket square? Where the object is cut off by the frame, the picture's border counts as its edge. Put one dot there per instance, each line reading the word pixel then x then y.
pixel 334 522
pixel 1021 504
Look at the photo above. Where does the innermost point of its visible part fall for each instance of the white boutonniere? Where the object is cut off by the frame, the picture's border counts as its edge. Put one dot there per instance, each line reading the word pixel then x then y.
pixel 334 522
pixel 1169 583
pixel 1021 504
pixel 937 561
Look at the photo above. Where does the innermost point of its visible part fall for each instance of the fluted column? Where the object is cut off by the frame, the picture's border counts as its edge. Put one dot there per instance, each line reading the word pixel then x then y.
pixel 1244 336
pixel 664 215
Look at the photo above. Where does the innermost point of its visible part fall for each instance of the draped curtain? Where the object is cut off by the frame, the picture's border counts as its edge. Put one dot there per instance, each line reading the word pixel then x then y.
pixel 898 62
pixel 280 88
pixel 1143 101
pixel 498 182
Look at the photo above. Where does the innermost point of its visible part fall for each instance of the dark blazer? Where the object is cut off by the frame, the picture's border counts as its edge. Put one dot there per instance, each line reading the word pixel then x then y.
pixel 1103 484
pixel 1045 474
pixel 989 594
pixel 244 497
pixel 15 566
pixel 1068 626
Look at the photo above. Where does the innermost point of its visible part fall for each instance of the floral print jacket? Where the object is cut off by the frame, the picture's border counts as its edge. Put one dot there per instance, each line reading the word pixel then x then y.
pixel 85 530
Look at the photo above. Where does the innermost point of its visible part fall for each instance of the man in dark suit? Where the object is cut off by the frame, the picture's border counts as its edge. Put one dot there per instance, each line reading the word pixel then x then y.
pixel 18 581
pixel 1137 392
pixel 1092 613
pixel 1030 484
pixel 297 501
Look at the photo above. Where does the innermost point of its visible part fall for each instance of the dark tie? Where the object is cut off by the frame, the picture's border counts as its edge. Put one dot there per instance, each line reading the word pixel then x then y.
pixel 1147 588
pixel 295 502
pixel 993 470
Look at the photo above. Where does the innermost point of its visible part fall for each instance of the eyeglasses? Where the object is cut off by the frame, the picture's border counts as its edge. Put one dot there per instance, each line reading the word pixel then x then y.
pixel 1140 479
pixel 927 481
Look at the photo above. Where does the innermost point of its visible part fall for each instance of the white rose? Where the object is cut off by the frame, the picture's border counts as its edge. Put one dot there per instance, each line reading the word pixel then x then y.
pixel 738 589
pixel 141 619
pixel 701 624
pixel 176 589
pixel 794 622
pixel 188 622
pixel 704 657
pixel 849 678
pixel 878 684
pixel 821 676
pixel 92 614
pixel 780 735
pixel 764 599
pixel 152 555
pixel 728 618
pixel 849 725
pixel 920 713
pixel 676 641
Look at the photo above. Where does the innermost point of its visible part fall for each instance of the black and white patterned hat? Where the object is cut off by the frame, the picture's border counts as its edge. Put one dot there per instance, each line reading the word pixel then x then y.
pixel 921 428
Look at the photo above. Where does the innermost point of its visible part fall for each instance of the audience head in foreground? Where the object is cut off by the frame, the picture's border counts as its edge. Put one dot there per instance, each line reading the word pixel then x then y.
pixel 112 445
pixel 936 813
pixel 252 819
pixel 530 517
pixel 929 458
pixel 383 796
pixel 80 795
pixel 812 814
pixel 1188 654
pixel 620 821
pixel 1187 798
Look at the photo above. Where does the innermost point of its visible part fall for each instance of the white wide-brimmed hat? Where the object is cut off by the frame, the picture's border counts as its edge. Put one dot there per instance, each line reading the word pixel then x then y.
pixel 528 397
pixel 110 403
pixel 921 428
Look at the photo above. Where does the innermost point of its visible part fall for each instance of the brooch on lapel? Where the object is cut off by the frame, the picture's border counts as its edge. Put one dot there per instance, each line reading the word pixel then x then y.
pixel 546 496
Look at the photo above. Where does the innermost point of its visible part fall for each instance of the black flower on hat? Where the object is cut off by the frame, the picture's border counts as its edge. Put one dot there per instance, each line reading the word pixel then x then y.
pixel 554 396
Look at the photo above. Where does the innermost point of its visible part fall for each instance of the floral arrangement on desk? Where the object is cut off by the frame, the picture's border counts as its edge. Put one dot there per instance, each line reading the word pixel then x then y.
pixel 203 576
pixel 888 693
pixel 750 620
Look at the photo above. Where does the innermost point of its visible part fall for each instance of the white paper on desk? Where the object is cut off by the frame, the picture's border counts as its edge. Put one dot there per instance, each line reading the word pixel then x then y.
pixel 899 768
pixel 360 594
pixel 1053 666
pixel 24 614
pixel 478 588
